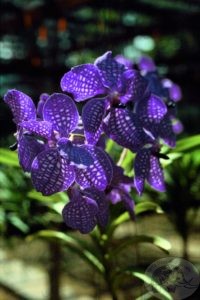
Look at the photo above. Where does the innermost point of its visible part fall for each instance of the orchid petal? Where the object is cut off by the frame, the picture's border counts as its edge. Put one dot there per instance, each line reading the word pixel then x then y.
pixel 42 100
pixel 155 177
pixel 81 214
pixel 40 128
pixel 83 82
pixel 92 114
pixel 61 111
pixel 28 149
pixel 166 132
pixel 151 110
pixel 75 155
pixel 110 70
pixel 136 86
pixel 50 174
pixel 21 105
pixel 103 205
pixel 124 128
pixel 97 175
pixel 141 168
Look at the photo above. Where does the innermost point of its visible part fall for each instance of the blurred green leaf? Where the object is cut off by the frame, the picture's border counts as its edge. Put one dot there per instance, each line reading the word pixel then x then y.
pixel 18 223
pixel 147 206
pixel 79 247
pixel 146 279
pixel 8 157
pixel 155 240
pixel 187 144
pixel 151 282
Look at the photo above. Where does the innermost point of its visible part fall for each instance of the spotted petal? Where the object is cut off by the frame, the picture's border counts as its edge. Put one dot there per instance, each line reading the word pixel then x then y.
pixel 124 128
pixel 50 174
pixel 40 128
pixel 155 177
pixel 81 214
pixel 155 85
pixel 151 110
pixel 97 175
pixel 135 86
pixel 75 155
pixel 83 82
pixel 110 70
pixel 42 100
pixel 28 149
pixel 141 169
pixel 166 132
pixel 92 114
pixel 21 105
pixel 103 205
pixel 61 111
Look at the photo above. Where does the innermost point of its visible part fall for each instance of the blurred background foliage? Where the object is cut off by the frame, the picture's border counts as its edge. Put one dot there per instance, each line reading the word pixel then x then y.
pixel 39 41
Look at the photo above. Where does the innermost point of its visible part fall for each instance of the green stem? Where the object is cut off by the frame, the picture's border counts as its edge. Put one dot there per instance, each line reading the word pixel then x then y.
pixel 54 271
pixel 103 246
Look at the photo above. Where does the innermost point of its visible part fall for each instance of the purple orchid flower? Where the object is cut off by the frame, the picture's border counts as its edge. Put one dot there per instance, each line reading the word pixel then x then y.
pixel 56 162
pixel 119 190
pixel 155 119
pixel 111 81
pixel 90 207
pixel 147 167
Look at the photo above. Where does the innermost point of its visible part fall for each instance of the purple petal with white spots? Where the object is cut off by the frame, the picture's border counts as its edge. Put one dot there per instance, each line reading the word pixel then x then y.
pixel 155 85
pixel 28 149
pixel 166 131
pixel 81 214
pixel 42 100
pixel 97 175
pixel 40 128
pixel 155 177
pixel 75 155
pixel 110 70
pixel 151 110
pixel 103 205
pixel 50 174
pixel 141 168
pixel 92 114
pixel 135 86
pixel 83 82
pixel 61 111
pixel 21 105
pixel 124 128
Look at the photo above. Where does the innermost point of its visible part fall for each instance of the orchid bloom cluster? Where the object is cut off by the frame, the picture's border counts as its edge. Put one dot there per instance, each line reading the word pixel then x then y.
pixel 63 149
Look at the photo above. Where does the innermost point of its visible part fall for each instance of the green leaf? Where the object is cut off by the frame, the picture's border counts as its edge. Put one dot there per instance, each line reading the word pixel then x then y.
pixel 146 279
pixel 79 247
pixel 18 223
pixel 147 206
pixel 155 240
pixel 8 157
pixel 187 144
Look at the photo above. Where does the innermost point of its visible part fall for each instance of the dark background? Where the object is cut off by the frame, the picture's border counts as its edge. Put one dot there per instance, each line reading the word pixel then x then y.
pixel 40 40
